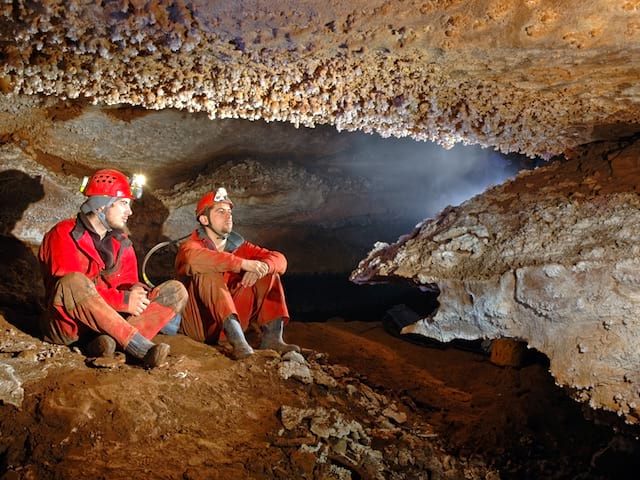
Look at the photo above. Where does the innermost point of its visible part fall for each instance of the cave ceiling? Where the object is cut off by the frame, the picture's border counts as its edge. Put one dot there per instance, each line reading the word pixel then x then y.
pixel 253 94
pixel 167 88
pixel 536 76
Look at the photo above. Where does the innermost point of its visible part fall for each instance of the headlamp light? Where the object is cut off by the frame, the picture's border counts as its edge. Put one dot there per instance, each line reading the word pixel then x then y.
pixel 137 183
pixel 221 195
pixel 83 185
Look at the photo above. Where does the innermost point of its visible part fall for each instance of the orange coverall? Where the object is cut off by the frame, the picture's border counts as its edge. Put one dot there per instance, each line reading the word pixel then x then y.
pixel 213 278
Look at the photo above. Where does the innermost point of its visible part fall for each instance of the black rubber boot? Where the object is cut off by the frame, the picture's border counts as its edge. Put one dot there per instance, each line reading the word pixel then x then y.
pixel 156 356
pixel 272 338
pixel 235 336
pixel 152 355
pixel 101 346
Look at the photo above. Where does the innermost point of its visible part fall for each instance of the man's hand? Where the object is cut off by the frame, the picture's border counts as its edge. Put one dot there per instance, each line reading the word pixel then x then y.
pixel 138 301
pixel 249 279
pixel 255 266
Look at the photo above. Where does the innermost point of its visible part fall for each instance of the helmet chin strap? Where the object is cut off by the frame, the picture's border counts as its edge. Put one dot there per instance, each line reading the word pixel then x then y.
pixel 103 219
pixel 221 236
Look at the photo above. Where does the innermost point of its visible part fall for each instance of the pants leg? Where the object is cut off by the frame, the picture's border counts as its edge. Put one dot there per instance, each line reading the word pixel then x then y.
pixel 213 297
pixel 209 304
pixel 263 302
pixel 167 299
pixel 76 308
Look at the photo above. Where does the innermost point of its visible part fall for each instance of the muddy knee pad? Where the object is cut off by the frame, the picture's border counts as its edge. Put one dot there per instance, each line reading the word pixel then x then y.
pixel 171 294
pixel 72 290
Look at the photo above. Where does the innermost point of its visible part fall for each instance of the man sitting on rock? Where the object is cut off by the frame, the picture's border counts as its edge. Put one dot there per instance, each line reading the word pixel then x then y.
pixel 90 276
pixel 231 283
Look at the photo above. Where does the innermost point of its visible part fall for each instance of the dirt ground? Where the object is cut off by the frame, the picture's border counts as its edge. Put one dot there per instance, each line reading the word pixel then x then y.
pixel 360 403
pixel 515 418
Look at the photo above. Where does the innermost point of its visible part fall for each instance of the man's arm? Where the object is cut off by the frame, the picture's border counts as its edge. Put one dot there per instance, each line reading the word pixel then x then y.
pixel 194 258
pixel 276 261
pixel 61 255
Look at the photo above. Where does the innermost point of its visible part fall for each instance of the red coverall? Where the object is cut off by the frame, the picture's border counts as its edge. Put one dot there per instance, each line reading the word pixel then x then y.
pixel 213 278
pixel 83 297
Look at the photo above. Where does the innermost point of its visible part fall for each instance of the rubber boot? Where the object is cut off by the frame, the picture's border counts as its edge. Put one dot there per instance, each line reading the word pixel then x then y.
pixel 235 336
pixel 272 338
pixel 173 326
pixel 101 346
pixel 151 354
pixel 156 356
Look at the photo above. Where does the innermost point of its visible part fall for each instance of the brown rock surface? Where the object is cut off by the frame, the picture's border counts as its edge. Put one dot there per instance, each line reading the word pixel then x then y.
pixel 550 258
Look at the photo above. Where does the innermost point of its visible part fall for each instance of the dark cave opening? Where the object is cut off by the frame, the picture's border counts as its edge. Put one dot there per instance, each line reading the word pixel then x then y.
pixel 322 296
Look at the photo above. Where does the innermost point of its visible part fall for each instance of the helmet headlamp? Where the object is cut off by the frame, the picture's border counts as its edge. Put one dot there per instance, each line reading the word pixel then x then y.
pixel 221 195
pixel 137 183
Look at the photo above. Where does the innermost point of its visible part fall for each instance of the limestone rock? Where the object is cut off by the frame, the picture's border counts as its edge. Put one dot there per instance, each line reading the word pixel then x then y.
pixel 536 77
pixel 551 258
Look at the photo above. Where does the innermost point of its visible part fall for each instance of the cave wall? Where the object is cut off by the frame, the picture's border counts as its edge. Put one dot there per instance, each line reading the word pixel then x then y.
pixel 331 192
pixel 132 84
pixel 551 259
pixel 539 78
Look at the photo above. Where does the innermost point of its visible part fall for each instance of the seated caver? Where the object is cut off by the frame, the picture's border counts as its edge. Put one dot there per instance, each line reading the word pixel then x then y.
pixel 90 274
pixel 231 282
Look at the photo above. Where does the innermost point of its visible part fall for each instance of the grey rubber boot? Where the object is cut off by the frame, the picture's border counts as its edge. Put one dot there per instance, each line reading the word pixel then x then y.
pixel 235 336
pixel 173 326
pixel 152 355
pixel 101 346
pixel 272 338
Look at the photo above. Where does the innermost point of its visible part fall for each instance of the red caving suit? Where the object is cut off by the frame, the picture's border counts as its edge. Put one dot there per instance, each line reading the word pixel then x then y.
pixel 213 278
pixel 82 297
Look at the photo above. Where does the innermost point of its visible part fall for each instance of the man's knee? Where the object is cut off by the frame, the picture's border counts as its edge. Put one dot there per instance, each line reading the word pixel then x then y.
pixel 73 289
pixel 173 294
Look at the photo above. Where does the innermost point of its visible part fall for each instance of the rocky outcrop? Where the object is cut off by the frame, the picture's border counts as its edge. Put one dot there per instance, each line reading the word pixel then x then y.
pixel 550 258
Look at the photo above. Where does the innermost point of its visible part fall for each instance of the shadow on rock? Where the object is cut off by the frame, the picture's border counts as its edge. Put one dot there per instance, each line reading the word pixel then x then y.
pixel 149 215
pixel 21 289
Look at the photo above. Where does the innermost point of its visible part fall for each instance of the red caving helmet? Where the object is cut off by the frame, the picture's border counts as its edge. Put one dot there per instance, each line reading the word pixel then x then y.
pixel 209 198
pixel 112 183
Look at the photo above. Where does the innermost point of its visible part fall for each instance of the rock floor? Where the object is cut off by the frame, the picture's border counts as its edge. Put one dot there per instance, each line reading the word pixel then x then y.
pixel 358 404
